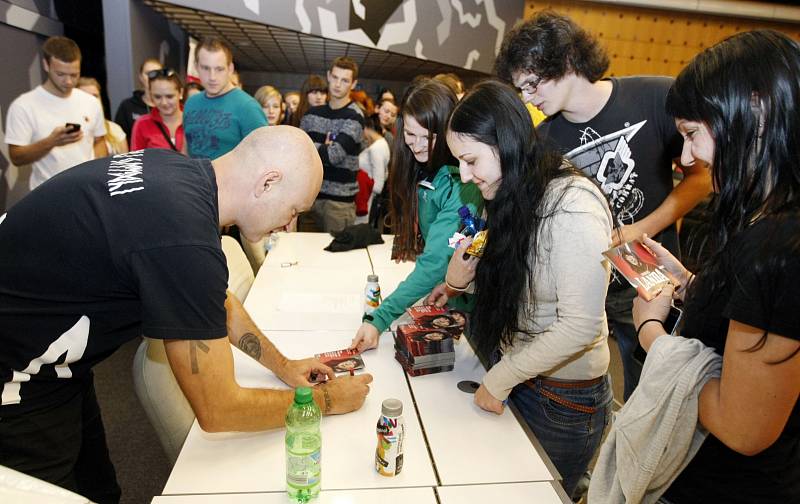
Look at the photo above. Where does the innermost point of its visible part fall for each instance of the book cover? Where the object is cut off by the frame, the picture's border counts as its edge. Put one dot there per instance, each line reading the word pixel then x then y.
pixel 342 361
pixel 434 317
pixel 640 268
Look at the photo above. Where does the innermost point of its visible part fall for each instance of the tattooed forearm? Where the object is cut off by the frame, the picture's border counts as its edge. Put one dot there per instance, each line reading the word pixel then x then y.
pixel 193 346
pixel 250 345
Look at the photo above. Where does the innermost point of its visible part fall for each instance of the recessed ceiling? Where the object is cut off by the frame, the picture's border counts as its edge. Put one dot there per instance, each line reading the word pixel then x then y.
pixel 264 48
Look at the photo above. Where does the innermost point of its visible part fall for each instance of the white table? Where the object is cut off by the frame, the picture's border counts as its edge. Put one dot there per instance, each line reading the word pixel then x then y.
pixel 254 462
pixel 307 298
pixel 381 254
pixel 540 492
pixel 316 306
pixel 308 249
pixel 372 496
pixel 462 437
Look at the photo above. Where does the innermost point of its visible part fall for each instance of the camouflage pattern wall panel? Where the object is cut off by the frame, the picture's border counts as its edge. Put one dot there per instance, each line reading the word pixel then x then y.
pixel 463 33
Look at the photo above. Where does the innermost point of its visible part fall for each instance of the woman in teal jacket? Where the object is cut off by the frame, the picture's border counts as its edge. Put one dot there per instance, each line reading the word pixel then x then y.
pixel 426 193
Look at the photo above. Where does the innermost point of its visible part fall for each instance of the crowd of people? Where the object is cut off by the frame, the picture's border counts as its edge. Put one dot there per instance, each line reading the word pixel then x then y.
pixel 719 402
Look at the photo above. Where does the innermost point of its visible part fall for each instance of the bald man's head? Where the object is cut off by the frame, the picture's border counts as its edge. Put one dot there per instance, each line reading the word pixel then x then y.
pixel 271 176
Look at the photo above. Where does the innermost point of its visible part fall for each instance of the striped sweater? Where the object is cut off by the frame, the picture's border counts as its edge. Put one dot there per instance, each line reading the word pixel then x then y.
pixel 339 158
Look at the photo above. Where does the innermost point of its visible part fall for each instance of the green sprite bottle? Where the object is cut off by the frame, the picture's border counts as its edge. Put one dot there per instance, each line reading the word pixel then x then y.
pixel 303 447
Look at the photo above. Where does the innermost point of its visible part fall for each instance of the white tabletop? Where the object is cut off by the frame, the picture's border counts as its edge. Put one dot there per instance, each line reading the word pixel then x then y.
pixel 316 306
pixel 462 437
pixel 308 249
pixel 382 254
pixel 369 496
pixel 254 462
pixel 542 492
pixel 307 298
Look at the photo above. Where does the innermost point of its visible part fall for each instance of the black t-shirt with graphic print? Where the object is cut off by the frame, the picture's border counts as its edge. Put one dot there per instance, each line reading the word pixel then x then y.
pixel 628 148
pixel 98 255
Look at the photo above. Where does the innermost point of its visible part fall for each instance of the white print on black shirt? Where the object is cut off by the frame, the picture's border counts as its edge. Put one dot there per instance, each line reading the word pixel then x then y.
pixel 69 345
pixel 123 170
pixel 608 159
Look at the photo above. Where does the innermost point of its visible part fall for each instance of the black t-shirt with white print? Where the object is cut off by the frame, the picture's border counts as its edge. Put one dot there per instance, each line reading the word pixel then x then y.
pixel 98 255
pixel 628 148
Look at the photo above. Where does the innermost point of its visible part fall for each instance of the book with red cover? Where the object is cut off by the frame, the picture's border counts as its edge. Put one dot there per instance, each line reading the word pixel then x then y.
pixel 342 361
pixel 434 317
pixel 420 340
pixel 640 267
pixel 417 371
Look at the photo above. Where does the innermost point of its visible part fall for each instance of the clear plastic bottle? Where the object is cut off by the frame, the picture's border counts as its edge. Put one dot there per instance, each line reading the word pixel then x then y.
pixel 391 432
pixel 303 447
pixel 372 294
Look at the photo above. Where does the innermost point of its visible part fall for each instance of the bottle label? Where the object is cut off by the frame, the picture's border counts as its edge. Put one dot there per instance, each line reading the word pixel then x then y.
pixel 303 469
pixel 372 299
pixel 389 453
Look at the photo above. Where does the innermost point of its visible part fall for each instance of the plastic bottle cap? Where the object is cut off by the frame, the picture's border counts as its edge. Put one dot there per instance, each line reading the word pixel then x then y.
pixel 392 407
pixel 303 395
pixel 372 278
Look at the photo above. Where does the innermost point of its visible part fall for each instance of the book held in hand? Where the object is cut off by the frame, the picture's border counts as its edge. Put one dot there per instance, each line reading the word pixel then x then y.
pixel 342 361
pixel 640 267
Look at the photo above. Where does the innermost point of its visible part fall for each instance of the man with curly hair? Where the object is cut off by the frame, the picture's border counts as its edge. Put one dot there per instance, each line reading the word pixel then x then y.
pixel 616 130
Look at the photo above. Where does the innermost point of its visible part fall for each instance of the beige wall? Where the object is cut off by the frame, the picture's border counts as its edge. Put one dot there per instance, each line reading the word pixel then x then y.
pixel 650 41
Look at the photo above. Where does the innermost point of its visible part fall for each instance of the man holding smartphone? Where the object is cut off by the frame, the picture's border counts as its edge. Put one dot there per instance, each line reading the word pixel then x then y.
pixel 55 126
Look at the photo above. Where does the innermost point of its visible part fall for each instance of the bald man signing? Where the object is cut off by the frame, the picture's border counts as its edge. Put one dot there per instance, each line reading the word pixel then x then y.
pixel 129 245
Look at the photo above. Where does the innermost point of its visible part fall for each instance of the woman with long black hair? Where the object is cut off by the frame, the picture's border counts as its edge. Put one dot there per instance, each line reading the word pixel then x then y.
pixel 539 316
pixel 736 105
pixel 425 197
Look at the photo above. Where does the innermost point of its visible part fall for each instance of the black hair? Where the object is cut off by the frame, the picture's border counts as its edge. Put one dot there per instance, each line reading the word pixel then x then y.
pixel 746 90
pixel 491 113
pixel 312 83
pixel 373 122
pixel 429 103
pixel 551 45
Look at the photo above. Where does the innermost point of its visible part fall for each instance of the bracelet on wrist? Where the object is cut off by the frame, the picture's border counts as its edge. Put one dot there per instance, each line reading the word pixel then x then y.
pixel 453 287
pixel 326 397
pixel 639 329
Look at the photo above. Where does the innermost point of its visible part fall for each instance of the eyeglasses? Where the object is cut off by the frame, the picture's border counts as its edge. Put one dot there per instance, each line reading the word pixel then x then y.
pixel 530 87
pixel 161 72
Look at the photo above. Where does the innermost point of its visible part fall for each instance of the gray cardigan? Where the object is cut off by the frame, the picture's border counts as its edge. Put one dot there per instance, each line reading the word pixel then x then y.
pixel 656 433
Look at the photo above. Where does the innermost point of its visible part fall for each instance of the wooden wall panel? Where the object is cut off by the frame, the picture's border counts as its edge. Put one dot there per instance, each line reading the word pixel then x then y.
pixel 643 41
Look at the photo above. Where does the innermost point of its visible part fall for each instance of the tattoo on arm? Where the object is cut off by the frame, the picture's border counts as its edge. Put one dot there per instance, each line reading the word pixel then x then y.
pixel 250 345
pixel 193 346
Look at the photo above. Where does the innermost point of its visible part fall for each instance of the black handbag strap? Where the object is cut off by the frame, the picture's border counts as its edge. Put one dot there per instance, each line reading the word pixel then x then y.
pixel 166 135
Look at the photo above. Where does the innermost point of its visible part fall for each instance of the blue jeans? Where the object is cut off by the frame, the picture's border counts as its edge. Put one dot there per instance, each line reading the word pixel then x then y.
pixel 569 437
pixel 618 310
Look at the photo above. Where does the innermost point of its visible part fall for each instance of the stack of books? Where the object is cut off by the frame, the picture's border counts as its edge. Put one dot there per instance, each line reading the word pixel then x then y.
pixel 426 346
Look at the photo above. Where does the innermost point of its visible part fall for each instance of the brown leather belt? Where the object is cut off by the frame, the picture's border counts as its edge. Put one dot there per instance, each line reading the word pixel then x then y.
pixel 570 384
pixel 534 384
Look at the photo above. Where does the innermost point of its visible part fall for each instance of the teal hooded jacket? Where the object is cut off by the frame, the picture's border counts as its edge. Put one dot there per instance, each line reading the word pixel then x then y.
pixel 438 220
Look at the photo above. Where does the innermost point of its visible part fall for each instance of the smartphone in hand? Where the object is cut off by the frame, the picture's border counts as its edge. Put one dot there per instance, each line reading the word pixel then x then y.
pixel 73 127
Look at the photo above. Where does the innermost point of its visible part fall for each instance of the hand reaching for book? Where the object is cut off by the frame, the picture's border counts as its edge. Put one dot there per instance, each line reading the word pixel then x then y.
pixel 672 265
pixel 296 373
pixel 438 296
pixel 366 337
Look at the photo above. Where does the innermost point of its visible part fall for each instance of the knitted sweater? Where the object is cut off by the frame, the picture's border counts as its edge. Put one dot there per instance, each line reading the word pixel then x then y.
pixel 343 127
